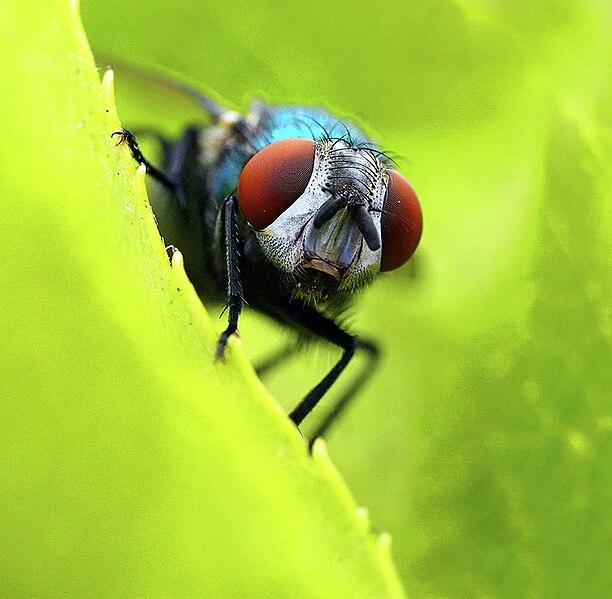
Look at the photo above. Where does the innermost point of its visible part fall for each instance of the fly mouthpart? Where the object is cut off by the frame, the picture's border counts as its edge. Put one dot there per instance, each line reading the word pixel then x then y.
pixel 322 266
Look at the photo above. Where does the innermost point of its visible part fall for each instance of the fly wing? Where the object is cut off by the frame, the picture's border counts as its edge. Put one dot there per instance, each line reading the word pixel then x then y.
pixel 170 87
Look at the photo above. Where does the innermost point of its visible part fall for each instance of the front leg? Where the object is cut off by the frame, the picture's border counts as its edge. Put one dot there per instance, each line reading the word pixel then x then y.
pixel 177 157
pixel 235 298
pixel 373 356
pixel 127 137
pixel 319 325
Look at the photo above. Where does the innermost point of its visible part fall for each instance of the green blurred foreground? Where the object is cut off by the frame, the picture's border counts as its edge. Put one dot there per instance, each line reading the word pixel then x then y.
pixel 134 467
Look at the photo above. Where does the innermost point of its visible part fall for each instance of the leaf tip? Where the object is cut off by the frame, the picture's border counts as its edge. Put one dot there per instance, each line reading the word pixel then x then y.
pixel 108 79
pixel 108 97
pixel 363 518
pixel 177 261
pixel 319 451
pixel 384 545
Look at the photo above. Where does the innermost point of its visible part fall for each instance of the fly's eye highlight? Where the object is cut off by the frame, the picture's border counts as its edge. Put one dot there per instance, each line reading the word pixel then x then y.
pixel 274 178
pixel 401 223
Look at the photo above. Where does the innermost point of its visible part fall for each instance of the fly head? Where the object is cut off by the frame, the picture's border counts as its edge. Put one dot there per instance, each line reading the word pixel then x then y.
pixel 329 214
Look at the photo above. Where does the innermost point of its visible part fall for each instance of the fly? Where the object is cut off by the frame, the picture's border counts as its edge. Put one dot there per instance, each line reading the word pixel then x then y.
pixel 297 212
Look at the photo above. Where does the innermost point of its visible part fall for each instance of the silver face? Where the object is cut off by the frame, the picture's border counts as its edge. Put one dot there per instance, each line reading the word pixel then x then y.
pixel 329 238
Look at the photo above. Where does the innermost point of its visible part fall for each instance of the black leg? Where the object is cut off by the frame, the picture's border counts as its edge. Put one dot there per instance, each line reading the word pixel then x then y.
pixel 126 137
pixel 312 399
pixel 317 324
pixel 343 401
pixel 179 158
pixel 229 224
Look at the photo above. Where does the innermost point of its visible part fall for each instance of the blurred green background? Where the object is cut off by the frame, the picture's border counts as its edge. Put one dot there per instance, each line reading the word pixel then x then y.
pixel 483 443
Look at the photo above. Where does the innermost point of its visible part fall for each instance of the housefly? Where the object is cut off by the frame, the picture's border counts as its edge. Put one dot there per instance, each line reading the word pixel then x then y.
pixel 295 212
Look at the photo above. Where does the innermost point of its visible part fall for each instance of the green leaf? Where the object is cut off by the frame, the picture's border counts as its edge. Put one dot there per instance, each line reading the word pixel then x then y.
pixel 132 465
pixel 483 443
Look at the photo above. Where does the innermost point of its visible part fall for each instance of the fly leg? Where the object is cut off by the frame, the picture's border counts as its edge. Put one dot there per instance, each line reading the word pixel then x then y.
pixel 177 156
pixel 231 233
pixel 321 326
pixel 127 137
pixel 343 401
pixel 178 159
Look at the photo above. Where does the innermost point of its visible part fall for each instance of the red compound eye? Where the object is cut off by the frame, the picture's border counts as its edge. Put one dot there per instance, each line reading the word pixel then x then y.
pixel 401 223
pixel 274 178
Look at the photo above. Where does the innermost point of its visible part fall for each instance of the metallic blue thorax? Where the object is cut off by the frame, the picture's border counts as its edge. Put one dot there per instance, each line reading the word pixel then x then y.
pixel 278 123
